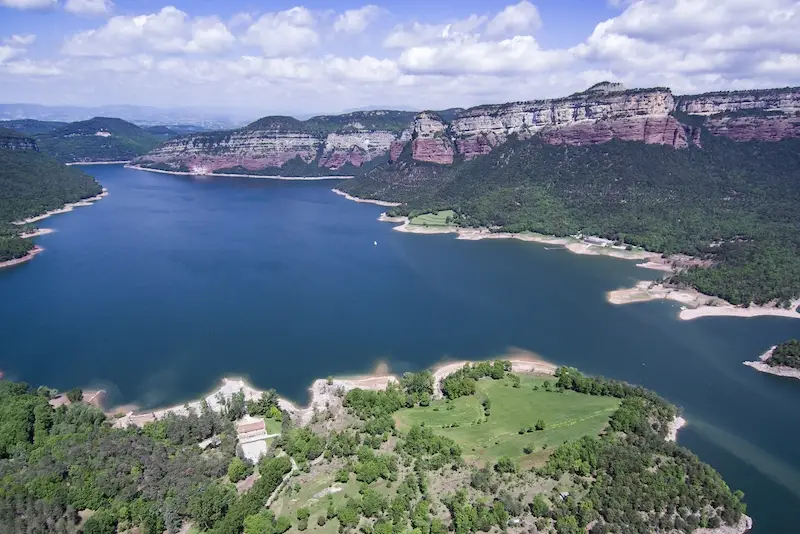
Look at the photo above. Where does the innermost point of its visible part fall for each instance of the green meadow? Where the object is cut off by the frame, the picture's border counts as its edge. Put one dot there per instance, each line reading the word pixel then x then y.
pixel 434 219
pixel 567 416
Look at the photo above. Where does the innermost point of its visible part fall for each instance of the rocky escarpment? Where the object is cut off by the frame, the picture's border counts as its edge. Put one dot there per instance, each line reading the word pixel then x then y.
pixel 326 143
pixel 758 115
pixel 11 140
pixel 343 144
pixel 594 116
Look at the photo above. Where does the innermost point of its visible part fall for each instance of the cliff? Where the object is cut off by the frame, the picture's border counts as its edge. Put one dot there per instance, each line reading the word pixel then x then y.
pixel 345 144
pixel 758 115
pixel 333 144
pixel 11 140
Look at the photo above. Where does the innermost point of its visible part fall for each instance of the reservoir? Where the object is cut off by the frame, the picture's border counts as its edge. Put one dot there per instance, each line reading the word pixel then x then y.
pixel 172 282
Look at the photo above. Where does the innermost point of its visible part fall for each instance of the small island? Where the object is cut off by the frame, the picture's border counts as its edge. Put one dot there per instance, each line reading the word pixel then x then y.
pixel 496 446
pixel 780 360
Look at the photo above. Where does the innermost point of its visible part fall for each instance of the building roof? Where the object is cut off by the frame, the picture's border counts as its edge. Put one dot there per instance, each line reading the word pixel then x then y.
pixel 247 427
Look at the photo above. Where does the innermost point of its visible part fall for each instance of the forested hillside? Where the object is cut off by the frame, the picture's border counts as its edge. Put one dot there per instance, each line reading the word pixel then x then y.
pixel 735 203
pixel 32 183
pixel 98 139
pixel 66 470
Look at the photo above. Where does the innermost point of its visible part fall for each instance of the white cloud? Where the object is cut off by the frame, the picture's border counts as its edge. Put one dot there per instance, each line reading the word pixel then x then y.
pixel 689 42
pixel 366 69
pixel 89 7
pixel 9 52
pixel 282 33
pixel 26 67
pixel 29 4
pixel 168 31
pixel 20 40
pixel 417 34
pixel 356 20
pixel 517 55
pixel 521 17
pixel 689 45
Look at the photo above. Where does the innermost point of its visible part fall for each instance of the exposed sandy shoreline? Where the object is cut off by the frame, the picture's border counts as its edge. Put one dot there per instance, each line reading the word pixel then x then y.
pixel 98 162
pixel 676 424
pixel 365 200
pixel 654 260
pixel 779 370
pixel 27 257
pixel 233 175
pixel 36 233
pixel 696 304
pixel 322 393
pixel 66 209
pixel 328 396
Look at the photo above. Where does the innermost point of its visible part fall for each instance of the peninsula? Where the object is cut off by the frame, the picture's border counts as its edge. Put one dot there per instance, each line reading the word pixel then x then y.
pixel 780 360
pixel 378 452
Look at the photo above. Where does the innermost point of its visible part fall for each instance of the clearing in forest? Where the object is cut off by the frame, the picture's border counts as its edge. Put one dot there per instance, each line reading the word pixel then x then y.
pixel 567 416
pixel 435 219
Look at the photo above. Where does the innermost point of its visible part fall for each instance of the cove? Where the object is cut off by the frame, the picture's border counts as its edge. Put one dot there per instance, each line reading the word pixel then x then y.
pixel 171 282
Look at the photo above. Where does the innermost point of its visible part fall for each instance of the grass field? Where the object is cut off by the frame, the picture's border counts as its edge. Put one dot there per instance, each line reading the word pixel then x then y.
pixel 434 219
pixel 567 416
pixel 273 426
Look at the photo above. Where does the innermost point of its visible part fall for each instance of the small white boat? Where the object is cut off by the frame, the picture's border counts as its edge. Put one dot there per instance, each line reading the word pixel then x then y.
pixel 375 243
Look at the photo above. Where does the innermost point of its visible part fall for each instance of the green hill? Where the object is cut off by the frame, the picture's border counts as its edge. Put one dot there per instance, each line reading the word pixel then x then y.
pixel 31 126
pixel 732 203
pixel 32 183
pixel 98 139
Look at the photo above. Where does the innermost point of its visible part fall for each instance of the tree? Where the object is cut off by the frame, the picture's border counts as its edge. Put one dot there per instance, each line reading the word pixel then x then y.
pixel 260 523
pixel 103 522
pixel 235 406
pixel 237 470
pixel 282 524
pixel 540 424
pixel 539 506
pixel 75 395
pixel 505 465
pixel 321 520
pixel 210 504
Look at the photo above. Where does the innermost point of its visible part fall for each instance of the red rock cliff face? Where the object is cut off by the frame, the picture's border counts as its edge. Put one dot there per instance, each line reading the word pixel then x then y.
pixel 599 115
pixel 759 115
pixel 430 139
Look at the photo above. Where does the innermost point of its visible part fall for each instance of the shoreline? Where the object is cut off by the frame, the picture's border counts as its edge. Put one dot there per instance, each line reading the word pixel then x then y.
pixel 695 304
pixel 36 233
pixel 233 175
pixel 653 260
pixel 325 396
pixel 366 200
pixel 97 162
pixel 66 208
pixel 779 370
pixel 26 258
pixel 321 393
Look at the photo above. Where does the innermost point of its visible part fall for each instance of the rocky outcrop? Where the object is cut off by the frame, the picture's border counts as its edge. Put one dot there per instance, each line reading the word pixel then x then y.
pixel 430 139
pixel 758 115
pixel 786 101
pixel 340 144
pixel 328 143
pixel 604 112
pixel 11 140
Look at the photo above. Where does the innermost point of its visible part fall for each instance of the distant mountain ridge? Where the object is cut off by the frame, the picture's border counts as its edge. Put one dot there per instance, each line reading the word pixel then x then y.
pixel 354 142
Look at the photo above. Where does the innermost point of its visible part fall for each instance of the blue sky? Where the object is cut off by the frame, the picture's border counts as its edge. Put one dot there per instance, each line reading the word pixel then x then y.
pixel 284 57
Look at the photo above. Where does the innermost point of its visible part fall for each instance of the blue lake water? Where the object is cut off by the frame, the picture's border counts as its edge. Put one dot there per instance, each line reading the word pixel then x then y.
pixel 172 282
